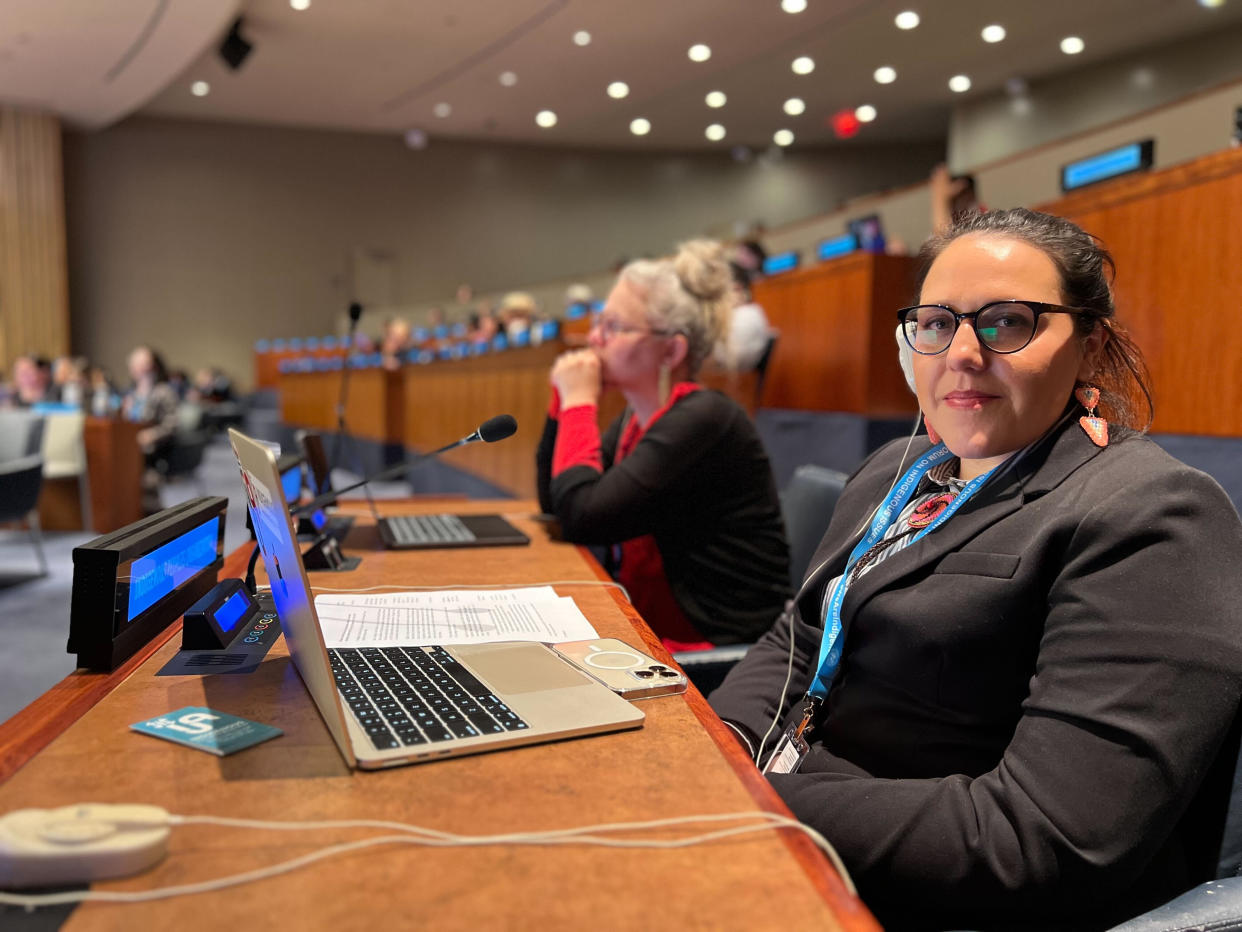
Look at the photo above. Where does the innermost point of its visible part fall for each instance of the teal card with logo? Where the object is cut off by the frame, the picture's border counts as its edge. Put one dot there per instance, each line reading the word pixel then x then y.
pixel 206 729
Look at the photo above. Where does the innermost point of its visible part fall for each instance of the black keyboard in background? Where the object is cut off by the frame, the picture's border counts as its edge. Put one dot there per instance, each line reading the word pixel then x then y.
pixel 410 696
pixel 429 529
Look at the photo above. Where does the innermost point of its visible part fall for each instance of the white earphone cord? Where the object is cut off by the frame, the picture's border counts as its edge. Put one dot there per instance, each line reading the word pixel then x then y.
pixel 417 835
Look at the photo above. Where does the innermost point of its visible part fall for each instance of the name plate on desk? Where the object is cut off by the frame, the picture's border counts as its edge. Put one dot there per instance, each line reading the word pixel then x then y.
pixel 131 584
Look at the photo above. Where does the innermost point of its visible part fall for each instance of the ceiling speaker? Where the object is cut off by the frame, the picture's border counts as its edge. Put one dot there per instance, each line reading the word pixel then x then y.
pixel 235 49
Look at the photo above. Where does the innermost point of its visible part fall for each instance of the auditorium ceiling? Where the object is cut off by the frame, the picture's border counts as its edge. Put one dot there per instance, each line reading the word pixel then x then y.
pixel 549 72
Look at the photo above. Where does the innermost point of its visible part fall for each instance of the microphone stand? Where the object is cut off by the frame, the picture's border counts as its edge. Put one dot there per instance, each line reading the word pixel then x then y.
pixel 355 314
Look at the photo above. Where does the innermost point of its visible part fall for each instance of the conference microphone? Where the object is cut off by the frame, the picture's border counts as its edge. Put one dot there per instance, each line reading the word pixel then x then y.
pixel 491 430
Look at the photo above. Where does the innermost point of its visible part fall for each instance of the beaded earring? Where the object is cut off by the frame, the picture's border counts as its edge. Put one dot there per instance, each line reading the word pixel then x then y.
pixel 1093 426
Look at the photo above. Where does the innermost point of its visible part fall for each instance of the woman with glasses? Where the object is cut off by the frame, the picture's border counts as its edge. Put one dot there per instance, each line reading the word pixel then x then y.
pixel 678 488
pixel 1007 689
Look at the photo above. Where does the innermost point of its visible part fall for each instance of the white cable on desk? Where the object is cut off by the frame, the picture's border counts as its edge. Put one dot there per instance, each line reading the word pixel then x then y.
pixel 417 835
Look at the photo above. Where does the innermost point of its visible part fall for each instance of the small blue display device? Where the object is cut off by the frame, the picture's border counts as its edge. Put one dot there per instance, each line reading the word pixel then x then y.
pixel 214 621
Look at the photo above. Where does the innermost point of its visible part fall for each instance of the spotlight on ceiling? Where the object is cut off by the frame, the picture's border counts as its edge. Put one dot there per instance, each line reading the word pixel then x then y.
pixel 235 49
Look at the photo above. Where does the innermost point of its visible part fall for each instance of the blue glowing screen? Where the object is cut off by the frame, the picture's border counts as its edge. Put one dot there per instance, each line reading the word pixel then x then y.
pixel 168 566
pixel 233 609
pixel 1105 165
pixel 781 262
pixel 836 246
pixel 291 482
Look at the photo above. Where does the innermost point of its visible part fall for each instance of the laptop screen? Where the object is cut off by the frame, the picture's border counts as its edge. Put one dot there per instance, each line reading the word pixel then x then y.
pixel 273 528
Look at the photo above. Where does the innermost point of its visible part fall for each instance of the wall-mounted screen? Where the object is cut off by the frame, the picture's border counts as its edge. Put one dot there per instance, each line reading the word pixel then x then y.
pixel 1136 156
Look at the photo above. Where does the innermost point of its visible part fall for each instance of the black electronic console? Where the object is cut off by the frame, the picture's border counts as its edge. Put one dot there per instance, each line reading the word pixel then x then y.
pixel 130 585
pixel 226 631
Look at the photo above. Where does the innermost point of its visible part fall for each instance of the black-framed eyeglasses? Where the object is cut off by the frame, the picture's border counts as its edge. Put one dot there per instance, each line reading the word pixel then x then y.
pixel 1001 326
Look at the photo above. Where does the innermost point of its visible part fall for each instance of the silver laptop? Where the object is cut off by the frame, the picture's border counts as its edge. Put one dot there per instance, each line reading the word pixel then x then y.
pixel 404 705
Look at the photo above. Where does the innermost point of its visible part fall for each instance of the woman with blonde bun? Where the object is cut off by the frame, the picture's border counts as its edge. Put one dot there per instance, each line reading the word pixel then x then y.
pixel 679 486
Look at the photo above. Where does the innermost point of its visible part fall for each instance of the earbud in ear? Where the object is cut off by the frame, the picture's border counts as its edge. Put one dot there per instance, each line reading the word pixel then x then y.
pixel 905 358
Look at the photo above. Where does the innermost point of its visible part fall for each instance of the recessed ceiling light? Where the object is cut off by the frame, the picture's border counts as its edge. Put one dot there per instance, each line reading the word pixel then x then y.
pixel 300 4
pixel 699 52
pixel 1211 4
pixel 783 137
pixel 200 88
pixel 959 84
pixel 545 118
pixel 795 106
pixel 1072 45
pixel 793 6
pixel 640 126
pixel 618 89
pixel 582 37
pixel 907 20
pixel 442 110
pixel 416 139
pixel 716 98
pixel 508 78
pixel 993 33
pixel 715 132
pixel 803 64
pixel 885 75
pixel 865 114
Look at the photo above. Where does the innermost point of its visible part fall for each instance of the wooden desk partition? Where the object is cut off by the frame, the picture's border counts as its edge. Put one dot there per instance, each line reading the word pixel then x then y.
pixel 372 408
pixel 682 762
pixel 115 464
pixel 836 350
pixel 445 400
pixel 1176 236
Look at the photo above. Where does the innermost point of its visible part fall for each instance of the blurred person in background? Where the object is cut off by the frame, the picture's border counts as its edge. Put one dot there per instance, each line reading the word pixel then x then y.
pixel 32 378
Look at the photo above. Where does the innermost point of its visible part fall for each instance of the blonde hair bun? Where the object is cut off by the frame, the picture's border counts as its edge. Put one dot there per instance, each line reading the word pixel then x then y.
pixel 701 266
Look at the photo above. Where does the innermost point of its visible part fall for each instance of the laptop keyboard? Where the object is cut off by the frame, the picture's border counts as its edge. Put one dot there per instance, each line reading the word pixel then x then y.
pixel 429 529
pixel 404 696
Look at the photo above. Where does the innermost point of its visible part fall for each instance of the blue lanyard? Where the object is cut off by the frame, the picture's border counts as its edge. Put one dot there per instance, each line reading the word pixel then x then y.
pixel 831 645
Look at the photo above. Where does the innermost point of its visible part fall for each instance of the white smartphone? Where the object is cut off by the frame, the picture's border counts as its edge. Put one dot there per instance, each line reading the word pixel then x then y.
pixel 625 670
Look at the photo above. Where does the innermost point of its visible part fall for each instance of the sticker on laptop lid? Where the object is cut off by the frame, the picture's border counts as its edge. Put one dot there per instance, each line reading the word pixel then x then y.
pixel 207 730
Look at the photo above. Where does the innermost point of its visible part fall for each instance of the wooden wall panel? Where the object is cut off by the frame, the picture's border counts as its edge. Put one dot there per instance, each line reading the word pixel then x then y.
pixel 34 284
pixel 836 349
pixel 1176 236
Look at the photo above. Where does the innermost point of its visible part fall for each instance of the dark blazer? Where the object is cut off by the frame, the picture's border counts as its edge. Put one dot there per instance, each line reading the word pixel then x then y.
pixel 1034 717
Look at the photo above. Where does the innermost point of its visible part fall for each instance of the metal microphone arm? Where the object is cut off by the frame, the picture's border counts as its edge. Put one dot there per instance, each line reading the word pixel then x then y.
pixel 491 430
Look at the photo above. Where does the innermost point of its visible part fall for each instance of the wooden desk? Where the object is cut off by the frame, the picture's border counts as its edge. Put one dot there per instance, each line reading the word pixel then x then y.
pixel 682 762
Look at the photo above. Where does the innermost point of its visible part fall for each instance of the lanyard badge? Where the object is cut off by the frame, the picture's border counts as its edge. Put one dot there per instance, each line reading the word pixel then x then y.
pixel 793 746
